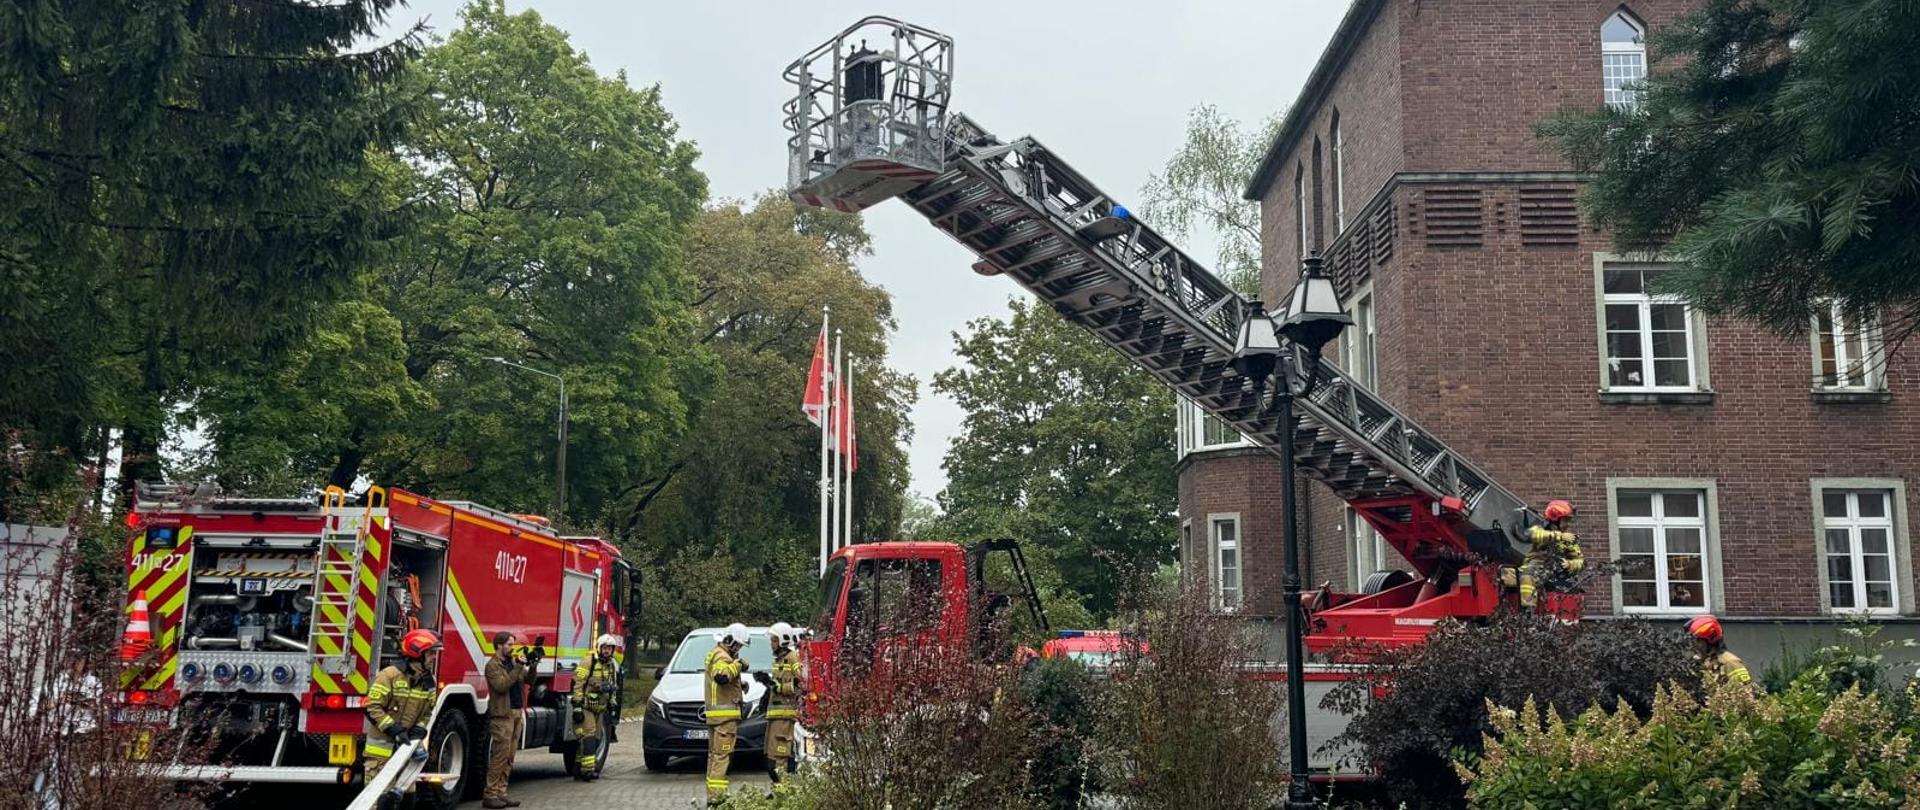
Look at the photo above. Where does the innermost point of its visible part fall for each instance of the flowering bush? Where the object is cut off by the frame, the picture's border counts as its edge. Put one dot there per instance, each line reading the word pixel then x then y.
pixel 1736 748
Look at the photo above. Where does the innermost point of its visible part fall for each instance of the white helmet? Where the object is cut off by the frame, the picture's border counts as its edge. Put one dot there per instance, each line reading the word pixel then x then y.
pixel 736 633
pixel 608 640
pixel 782 633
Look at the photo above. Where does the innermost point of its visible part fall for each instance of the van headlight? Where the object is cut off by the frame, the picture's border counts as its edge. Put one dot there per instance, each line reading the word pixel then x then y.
pixel 656 708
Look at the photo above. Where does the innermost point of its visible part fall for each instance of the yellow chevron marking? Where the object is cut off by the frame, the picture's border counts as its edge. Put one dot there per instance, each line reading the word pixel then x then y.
pixel 368 581
pixel 363 647
pixel 328 645
pixel 337 583
pixel 364 610
pixel 332 614
pixel 174 604
pixel 325 680
pixel 460 599
pixel 160 678
pixel 358 682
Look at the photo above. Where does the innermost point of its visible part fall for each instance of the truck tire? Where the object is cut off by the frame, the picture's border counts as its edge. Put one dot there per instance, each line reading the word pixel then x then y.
pixel 571 754
pixel 450 750
pixel 1382 580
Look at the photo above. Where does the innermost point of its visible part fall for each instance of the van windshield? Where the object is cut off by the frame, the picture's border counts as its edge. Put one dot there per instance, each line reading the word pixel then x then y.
pixel 692 656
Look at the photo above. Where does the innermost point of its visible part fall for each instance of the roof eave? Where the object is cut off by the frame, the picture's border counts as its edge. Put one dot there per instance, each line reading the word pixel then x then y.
pixel 1345 38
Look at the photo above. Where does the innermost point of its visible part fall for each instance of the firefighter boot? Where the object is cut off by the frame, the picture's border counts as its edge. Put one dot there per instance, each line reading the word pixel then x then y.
pixel 1526 589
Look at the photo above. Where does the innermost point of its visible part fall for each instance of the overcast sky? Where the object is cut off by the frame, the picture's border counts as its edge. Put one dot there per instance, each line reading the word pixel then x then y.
pixel 1105 85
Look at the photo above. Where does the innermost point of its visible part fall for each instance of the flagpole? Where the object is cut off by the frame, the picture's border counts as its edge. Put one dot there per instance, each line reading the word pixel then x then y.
pixel 846 422
pixel 840 469
pixel 825 408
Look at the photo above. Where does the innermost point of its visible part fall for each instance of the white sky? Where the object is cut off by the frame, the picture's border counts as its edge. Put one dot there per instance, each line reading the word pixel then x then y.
pixel 1105 85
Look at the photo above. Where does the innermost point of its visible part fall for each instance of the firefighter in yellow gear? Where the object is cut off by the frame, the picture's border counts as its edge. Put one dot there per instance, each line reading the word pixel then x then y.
pixel 1716 661
pixel 399 705
pixel 1553 549
pixel 725 681
pixel 595 684
pixel 783 707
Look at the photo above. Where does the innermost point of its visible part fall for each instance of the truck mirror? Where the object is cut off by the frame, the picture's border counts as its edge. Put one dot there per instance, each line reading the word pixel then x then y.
pixel 659 673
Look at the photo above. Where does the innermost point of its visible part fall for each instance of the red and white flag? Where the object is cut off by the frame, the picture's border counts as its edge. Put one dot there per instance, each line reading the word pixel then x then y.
pixel 846 442
pixel 813 402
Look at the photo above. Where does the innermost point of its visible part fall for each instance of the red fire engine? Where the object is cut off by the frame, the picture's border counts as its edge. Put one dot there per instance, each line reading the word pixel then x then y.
pixel 271 617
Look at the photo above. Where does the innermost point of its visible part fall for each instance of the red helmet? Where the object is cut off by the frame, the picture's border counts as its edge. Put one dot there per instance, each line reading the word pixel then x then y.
pixel 1558 510
pixel 1705 628
pixel 417 643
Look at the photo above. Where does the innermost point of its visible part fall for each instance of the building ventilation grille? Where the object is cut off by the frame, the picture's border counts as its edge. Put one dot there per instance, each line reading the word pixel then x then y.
pixel 1454 217
pixel 1549 217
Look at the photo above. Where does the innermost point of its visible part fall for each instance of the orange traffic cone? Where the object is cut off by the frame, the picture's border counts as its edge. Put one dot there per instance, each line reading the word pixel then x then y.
pixel 139 635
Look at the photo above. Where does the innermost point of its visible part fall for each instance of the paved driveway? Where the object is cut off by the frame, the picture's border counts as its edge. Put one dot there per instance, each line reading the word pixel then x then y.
pixel 541 783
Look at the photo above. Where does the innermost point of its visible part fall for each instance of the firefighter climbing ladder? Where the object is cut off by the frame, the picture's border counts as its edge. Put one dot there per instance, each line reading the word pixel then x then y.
pixel 1033 218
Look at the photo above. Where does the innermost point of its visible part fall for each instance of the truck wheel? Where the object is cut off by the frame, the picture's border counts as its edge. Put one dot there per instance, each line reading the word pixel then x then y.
pixel 449 751
pixel 571 754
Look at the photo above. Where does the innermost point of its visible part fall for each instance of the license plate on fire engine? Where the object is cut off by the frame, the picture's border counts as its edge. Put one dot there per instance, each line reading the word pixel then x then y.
pixel 340 749
pixel 696 734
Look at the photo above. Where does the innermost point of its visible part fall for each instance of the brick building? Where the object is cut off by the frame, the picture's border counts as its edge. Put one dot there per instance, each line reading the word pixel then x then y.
pixel 1765 479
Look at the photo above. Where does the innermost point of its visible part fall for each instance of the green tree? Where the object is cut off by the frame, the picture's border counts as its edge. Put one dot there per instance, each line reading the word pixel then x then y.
pixel 743 483
pixel 1199 189
pixel 1065 446
pixel 184 187
pixel 1774 156
pixel 551 205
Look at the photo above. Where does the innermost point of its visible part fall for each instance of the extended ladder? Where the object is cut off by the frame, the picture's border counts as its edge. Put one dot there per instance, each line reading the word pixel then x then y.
pixel 1030 216
pixel 1033 218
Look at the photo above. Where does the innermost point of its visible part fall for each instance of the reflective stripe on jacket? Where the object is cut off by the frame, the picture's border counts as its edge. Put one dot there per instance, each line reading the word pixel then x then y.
pixel 594 681
pixel 723 699
pixel 403 699
pixel 781 698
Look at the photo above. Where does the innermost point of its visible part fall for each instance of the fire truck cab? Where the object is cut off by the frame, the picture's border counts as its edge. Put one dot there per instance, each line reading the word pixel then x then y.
pixel 271 617
pixel 876 597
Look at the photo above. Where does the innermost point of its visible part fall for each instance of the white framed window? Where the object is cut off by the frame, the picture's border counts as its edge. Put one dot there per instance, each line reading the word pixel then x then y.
pixel 1199 430
pixel 1623 60
pixel 1858 547
pixel 1339 178
pixel 1359 343
pixel 1300 205
pixel 1848 353
pixel 1186 545
pixel 1663 539
pixel 1223 533
pixel 1366 549
pixel 1649 342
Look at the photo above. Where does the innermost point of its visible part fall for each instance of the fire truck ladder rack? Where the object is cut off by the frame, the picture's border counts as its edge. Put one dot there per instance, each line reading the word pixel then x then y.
pixel 1030 216
pixel 341 545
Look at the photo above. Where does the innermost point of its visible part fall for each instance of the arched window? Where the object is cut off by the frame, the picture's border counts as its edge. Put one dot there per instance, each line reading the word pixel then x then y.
pixel 1339 179
pixel 1623 59
pixel 1300 203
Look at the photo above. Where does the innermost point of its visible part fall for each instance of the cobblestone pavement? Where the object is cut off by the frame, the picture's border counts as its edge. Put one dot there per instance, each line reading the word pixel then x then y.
pixel 540 782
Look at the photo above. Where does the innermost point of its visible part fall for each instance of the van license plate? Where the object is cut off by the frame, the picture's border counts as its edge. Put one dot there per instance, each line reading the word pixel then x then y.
pixel 340 749
pixel 696 734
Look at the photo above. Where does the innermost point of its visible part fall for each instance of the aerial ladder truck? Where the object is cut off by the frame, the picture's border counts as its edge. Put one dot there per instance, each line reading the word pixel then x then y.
pixel 870 121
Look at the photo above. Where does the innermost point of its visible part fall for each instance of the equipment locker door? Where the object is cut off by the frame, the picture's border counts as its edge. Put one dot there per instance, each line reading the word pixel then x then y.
pixel 577 599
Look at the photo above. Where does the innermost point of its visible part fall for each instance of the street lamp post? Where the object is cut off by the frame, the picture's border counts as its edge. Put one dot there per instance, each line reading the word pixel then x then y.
pixel 560 463
pixel 1313 317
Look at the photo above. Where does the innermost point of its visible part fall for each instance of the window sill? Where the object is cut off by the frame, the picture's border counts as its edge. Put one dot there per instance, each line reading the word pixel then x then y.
pixel 1840 396
pixel 1656 397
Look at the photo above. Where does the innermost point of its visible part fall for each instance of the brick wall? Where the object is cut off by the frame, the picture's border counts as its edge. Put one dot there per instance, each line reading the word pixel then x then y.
pixel 1488 325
